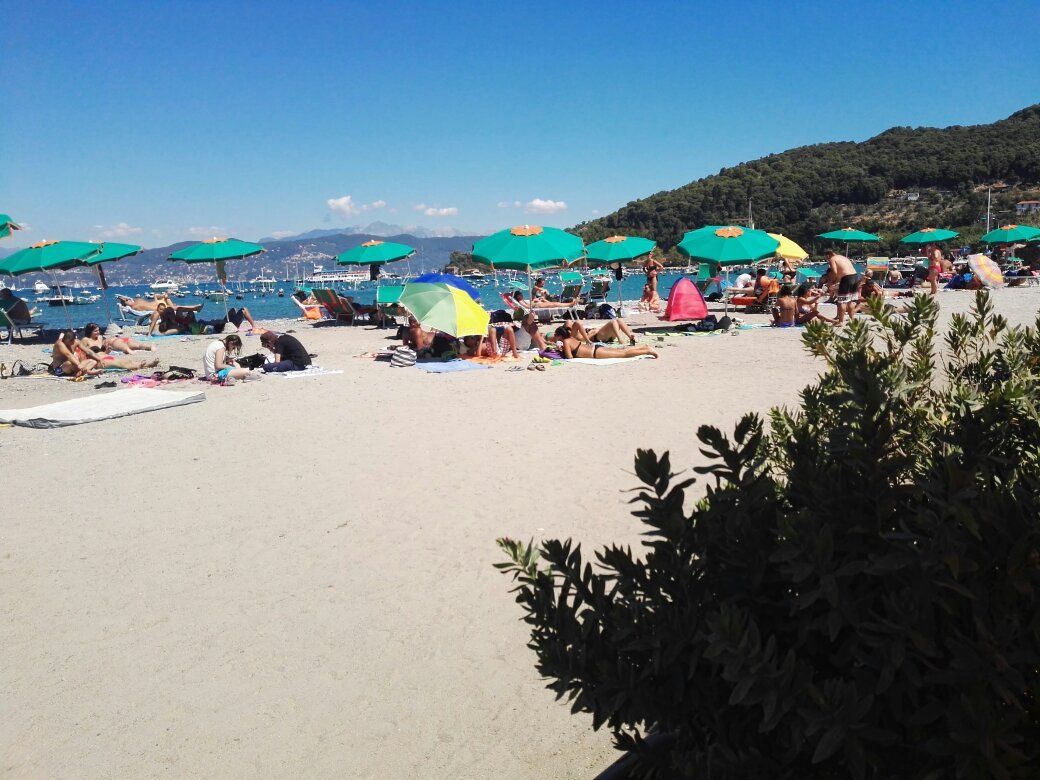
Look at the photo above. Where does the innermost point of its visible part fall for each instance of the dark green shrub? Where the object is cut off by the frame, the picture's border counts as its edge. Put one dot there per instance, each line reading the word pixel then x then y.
pixel 856 593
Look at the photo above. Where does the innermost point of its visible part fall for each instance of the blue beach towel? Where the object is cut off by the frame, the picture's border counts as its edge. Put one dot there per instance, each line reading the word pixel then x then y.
pixel 451 367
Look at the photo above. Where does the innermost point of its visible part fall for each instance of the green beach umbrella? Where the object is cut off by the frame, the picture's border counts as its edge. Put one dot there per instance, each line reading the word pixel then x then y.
pixel 849 236
pixel 614 250
pixel 929 236
pixel 528 248
pixel 217 250
pixel 375 253
pixel 728 244
pixel 49 256
pixel 7 225
pixel 1009 234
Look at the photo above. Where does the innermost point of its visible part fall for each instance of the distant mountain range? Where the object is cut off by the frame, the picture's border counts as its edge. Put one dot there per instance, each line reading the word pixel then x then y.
pixel 282 259
pixel 382 229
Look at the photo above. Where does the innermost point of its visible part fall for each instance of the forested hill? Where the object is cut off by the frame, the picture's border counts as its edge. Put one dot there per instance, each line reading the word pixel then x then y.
pixel 901 180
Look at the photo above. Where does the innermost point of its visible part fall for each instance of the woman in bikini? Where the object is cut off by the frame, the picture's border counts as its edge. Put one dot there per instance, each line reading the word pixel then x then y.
pixel 89 353
pixel 573 348
pixel 935 267
pixel 92 337
pixel 612 330
pixel 652 268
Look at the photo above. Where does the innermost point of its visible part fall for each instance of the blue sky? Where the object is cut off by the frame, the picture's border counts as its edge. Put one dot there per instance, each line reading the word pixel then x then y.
pixel 154 122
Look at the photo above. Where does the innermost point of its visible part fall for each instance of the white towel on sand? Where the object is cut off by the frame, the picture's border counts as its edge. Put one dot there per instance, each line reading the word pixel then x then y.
pixel 104 406
pixel 309 371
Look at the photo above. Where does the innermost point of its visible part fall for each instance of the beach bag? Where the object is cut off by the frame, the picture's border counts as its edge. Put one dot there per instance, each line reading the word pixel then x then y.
pixel 403 357
pixel 607 312
pixel 179 372
pixel 253 362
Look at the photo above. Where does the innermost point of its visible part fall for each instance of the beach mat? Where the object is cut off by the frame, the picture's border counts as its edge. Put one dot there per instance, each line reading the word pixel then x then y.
pixel 105 406
pixel 605 361
pixel 309 371
pixel 451 367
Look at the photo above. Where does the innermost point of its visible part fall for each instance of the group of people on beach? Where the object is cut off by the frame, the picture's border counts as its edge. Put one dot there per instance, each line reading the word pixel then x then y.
pixel 171 319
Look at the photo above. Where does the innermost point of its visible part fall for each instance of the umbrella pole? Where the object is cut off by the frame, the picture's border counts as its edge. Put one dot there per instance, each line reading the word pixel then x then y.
pixel 68 317
pixel 227 316
pixel 104 293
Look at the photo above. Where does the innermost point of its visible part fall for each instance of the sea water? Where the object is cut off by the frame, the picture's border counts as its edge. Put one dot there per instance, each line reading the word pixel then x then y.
pixel 269 306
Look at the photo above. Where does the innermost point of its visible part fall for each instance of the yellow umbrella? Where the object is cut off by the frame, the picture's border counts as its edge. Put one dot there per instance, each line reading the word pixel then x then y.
pixel 986 270
pixel 788 249
pixel 445 308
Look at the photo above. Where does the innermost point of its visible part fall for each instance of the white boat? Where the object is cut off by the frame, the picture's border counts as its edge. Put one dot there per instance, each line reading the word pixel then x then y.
pixel 163 284
pixel 41 289
pixel 474 276
pixel 319 277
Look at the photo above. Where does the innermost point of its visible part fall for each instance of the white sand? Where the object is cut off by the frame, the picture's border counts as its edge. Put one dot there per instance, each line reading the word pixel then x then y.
pixel 296 577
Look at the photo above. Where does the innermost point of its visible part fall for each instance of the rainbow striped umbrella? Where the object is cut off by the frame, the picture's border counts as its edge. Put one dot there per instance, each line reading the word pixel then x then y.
pixel 986 270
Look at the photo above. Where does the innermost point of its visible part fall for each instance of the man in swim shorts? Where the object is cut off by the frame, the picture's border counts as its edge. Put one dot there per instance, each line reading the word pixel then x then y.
pixel 846 296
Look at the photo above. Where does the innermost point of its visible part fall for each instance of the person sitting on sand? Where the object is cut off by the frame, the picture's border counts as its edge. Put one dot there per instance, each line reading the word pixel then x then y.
pixel 16 309
pixel 842 269
pixel 218 364
pixel 808 304
pixel 73 358
pixel 894 278
pixel 575 348
pixel 499 339
pixel 650 301
pixel 611 330
pixel 289 354
pixel 234 317
pixel 169 322
pixel 529 337
pixel 93 338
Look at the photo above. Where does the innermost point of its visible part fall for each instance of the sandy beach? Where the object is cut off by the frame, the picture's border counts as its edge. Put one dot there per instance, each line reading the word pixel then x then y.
pixel 295 576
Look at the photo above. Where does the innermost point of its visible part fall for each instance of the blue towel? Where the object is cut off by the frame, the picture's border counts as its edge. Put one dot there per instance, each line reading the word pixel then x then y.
pixel 450 367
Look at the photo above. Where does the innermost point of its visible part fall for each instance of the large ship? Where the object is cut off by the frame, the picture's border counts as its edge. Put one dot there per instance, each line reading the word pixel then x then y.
pixel 319 277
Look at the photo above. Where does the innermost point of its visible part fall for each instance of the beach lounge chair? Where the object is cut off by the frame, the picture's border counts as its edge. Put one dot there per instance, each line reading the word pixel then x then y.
pixel 573 285
pixel 877 268
pixel 543 313
pixel 600 289
pixel 128 313
pixel 387 298
pixel 36 328
pixel 336 305
pixel 309 311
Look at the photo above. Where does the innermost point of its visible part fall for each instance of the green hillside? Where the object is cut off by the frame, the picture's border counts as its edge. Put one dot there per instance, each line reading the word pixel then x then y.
pixel 901 180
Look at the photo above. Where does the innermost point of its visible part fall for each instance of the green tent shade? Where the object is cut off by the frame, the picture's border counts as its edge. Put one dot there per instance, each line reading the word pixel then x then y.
pixel 849 236
pixel 619 249
pixel 7 225
pixel 728 244
pixel 375 253
pixel 112 251
pixel 528 248
pixel 1008 234
pixel 47 256
pixel 216 249
pixel 929 236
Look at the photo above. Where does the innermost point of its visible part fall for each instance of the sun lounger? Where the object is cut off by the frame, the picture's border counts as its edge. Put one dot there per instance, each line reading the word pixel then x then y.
pixel 309 311
pixel 600 289
pixel 336 305
pixel 35 328
pixel 128 313
pixel 573 285
pixel 543 313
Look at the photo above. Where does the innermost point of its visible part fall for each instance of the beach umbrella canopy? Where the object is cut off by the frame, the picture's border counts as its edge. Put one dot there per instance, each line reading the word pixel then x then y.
pixel 375 253
pixel 445 308
pixel 986 270
pixel 528 248
pixel 47 256
pixel 788 249
pixel 111 251
pixel 728 244
pixel 215 249
pixel 849 236
pixel 1008 234
pixel 618 249
pixel 7 225
pixel 449 279
pixel 929 236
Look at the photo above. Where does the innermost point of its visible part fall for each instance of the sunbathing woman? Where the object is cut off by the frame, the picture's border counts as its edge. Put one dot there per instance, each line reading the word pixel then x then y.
pixel 573 348
pixel 612 330
pixel 542 303
pixel 150 304
pixel 70 357
pixel 92 338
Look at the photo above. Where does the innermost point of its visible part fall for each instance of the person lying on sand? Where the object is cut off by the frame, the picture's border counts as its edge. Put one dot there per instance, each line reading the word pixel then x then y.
pixel 574 348
pixel 169 321
pixel 74 358
pixel 612 330
pixel 98 343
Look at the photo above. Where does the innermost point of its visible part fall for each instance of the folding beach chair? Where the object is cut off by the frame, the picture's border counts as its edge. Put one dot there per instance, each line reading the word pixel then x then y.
pixel 573 285
pixel 337 307
pixel 387 298
pixel 13 327
pixel 128 313
pixel 542 313
pixel 600 289
pixel 309 311
pixel 877 267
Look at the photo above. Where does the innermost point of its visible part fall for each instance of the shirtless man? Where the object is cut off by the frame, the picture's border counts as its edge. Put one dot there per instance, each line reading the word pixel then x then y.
pixel 147 304
pixel 574 348
pixel 842 269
